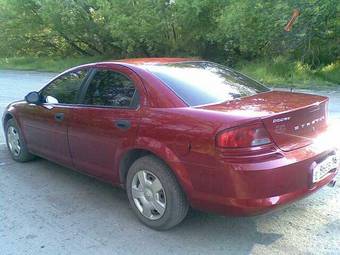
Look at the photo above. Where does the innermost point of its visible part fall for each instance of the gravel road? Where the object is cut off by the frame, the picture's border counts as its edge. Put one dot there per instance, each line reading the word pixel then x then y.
pixel 48 209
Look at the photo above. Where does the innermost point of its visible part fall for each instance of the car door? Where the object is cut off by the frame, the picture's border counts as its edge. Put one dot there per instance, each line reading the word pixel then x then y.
pixel 107 121
pixel 45 125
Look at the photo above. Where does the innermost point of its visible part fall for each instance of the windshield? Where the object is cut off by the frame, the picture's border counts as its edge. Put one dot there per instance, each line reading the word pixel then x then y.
pixel 199 83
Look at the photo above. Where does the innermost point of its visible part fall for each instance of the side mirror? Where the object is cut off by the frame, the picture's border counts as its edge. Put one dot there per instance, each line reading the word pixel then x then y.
pixel 33 98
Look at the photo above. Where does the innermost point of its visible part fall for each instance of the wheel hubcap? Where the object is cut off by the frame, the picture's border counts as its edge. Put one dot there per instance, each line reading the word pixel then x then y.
pixel 148 195
pixel 13 141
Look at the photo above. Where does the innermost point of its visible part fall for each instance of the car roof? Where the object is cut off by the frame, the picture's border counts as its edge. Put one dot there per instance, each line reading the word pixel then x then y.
pixel 137 62
pixel 144 61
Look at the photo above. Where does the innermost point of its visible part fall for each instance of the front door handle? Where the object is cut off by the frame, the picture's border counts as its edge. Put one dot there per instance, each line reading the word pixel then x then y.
pixel 59 116
pixel 123 124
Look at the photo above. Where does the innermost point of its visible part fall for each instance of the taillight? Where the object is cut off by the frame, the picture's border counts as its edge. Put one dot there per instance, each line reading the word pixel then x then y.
pixel 243 137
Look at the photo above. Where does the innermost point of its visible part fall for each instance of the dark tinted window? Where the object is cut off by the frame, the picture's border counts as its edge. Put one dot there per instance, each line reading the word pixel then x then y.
pixel 65 88
pixel 109 88
pixel 200 83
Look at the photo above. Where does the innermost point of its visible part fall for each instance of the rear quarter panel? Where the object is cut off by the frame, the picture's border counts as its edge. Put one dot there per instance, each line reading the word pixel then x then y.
pixel 184 135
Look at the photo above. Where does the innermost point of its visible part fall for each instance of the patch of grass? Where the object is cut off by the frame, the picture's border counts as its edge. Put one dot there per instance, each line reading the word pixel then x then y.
pixel 277 72
pixel 280 72
pixel 330 72
pixel 46 63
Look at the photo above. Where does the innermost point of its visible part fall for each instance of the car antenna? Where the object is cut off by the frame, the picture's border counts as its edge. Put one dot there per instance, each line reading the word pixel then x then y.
pixel 289 25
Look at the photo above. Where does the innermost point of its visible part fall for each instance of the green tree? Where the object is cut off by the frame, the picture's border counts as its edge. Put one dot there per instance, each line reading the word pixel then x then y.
pixel 222 30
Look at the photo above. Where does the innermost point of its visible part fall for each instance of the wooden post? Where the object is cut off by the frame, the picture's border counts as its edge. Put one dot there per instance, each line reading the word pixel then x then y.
pixel 290 23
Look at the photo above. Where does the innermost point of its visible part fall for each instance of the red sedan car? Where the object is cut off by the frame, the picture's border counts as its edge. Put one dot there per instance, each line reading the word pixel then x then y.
pixel 177 133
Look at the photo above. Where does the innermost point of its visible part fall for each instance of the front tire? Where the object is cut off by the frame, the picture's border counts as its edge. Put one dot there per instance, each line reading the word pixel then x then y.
pixel 15 142
pixel 154 194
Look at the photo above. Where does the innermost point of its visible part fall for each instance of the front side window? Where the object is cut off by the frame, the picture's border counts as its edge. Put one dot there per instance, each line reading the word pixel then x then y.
pixel 65 88
pixel 199 83
pixel 109 88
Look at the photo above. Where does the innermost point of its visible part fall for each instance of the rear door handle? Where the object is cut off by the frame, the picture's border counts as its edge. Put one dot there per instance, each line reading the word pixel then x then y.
pixel 123 124
pixel 59 116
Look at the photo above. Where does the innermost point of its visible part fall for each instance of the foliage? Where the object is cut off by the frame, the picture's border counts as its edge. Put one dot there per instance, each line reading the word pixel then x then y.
pixel 281 72
pixel 50 64
pixel 222 30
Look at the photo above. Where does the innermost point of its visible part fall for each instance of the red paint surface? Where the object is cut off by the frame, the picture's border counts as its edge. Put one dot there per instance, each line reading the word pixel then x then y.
pixel 235 181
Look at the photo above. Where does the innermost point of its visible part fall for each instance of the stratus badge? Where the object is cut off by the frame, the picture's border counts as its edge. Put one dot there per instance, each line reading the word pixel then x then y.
pixel 309 124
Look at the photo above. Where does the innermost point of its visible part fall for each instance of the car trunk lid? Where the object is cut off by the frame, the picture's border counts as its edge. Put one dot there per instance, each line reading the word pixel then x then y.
pixel 292 119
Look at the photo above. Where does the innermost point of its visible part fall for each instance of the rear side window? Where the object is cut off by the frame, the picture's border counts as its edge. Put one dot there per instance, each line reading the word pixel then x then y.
pixel 199 83
pixel 109 88
pixel 64 89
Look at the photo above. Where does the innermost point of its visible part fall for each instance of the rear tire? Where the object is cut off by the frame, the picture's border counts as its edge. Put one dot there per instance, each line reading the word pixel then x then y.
pixel 15 142
pixel 154 194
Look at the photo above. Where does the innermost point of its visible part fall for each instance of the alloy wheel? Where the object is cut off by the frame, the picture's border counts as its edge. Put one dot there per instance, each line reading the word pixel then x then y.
pixel 148 195
pixel 13 140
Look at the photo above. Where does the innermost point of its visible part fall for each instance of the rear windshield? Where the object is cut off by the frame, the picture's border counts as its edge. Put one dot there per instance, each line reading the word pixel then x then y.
pixel 199 83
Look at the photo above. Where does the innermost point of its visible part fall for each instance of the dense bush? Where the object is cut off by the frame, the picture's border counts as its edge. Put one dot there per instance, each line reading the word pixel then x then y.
pixel 222 30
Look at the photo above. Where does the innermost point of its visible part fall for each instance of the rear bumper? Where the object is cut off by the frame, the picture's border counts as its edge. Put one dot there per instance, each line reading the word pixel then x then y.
pixel 254 206
pixel 255 188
